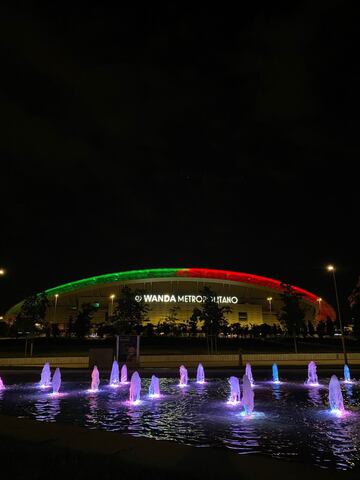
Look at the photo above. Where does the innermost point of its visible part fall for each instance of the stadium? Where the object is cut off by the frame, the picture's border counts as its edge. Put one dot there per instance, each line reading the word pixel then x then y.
pixel 252 299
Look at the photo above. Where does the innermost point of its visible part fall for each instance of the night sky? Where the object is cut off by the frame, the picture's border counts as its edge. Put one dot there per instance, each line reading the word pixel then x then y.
pixel 178 136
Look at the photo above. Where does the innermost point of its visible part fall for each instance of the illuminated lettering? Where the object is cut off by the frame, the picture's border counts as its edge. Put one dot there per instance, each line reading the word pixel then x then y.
pixel 167 298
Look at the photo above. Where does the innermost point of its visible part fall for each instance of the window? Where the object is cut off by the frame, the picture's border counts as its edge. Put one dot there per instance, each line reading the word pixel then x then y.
pixel 243 316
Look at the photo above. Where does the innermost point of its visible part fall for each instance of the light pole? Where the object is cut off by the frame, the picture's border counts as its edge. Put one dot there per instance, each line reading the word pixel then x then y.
pixel 55 305
pixel 331 268
pixel 269 299
pixel 112 296
pixel 319 300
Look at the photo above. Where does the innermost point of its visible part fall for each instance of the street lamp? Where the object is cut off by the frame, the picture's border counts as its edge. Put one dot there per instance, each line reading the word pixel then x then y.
pixel 2 271
pixel 55 305
pixel 269 299
pixel 331 268
pixel 319 300
pixel 112 296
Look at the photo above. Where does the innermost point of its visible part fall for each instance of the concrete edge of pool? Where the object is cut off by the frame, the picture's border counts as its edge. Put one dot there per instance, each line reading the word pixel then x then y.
pixel 147 458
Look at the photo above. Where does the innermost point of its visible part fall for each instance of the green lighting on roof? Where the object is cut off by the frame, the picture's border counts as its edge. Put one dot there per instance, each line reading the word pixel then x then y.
pixel 111 278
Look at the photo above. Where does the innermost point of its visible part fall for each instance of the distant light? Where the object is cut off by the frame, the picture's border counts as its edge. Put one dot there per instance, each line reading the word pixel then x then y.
pixel 269 299
pixel 112 296
pixel 56 295
pixel 330 268
pixel 2 271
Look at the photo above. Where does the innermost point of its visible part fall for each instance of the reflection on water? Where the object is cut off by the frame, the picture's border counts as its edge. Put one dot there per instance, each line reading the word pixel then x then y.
pixel 276 390
pixel 47 408
pixel 291 420
pixel 314 396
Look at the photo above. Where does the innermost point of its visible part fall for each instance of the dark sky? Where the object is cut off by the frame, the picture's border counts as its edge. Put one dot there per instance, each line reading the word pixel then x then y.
pixel 178 136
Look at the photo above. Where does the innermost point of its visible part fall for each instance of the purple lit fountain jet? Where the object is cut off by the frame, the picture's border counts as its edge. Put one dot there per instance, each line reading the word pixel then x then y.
pixel 154 389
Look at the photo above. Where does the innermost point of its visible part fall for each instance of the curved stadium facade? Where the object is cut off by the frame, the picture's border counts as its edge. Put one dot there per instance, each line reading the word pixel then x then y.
pixel 253 299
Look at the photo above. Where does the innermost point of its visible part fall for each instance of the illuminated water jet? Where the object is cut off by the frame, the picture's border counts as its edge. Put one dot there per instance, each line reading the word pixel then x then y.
pixel 234 391
pixel 312 376
pixel 336 400
pixel 154 388
pixel 114 375
pixel 95 379
pixel 135 388
pixel 2 386
pixel 200 374
pixel 347 376
pixel 248 373
pixel 275 373
pixel 124 374
pixel 45 379
pixel 183 376
pixel 248 396
pixel 56 382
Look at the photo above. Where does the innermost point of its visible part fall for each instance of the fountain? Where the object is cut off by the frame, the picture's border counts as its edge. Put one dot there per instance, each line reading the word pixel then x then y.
pixel 275 373
pixel 347 376
pixel 56 382
pixel 234 390
pixel 336 400
pixel 114 376
pixel 124 374
pixel 248 373
pixel 183 376
pixel 45 380
pixel 154 389
pixel 135 388
pixel 200 374
pixel 2 386
pixel 95 379
pixel 248 396
pixel 312 376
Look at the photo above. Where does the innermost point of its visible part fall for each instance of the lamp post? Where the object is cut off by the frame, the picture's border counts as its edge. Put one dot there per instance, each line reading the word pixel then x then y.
pixel 331 268
pixel 112 296
pixel 55 306
pixel 269 299
pixel 319 300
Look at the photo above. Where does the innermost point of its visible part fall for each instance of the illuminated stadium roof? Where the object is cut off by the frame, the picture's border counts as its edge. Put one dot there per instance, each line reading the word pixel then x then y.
pixel 200 273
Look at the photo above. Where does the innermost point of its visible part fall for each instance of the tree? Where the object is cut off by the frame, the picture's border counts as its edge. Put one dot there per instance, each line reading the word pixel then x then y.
pixel 354 302
pixel 31 318
pixel 4 329
pixel 321 328
pixel 130 311
pixel 149 329
pixel 193 321
pixel 55 330
pixel 311 329
pixel 171 320
pixel 330 327
pixel 82 323
pixel 291 315
pixel 213 317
